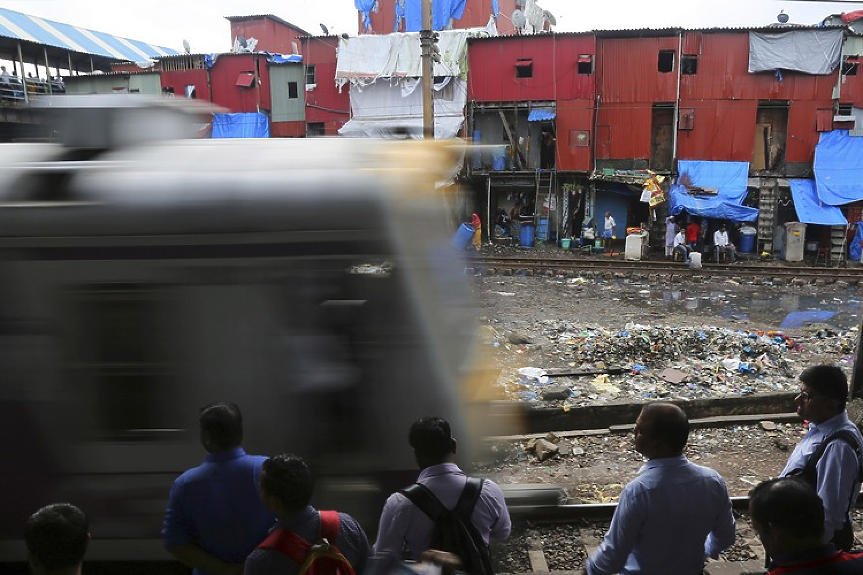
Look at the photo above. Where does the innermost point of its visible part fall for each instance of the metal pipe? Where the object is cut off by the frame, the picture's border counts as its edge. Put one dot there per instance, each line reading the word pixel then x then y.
pixel 47 70
pixel 676 119
pixel 426 39
pixel 23 79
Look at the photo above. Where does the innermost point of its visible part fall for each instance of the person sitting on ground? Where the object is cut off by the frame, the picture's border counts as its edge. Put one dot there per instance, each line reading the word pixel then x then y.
pixel 286 486
pixel 788 516
pixel 680 246
pixel 723 246
pixel 57 536
pixel 405 532
pixel 674 514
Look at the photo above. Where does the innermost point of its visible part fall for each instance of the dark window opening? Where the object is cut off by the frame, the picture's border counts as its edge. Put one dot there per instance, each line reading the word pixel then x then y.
pixel 168 90
pixel 850 65
pixel 585 64
pixel 310 75
pixel 315 129
pixel 524 69
pixel 666 61
pixel 844 109
pixel 689 64
pixel 293 91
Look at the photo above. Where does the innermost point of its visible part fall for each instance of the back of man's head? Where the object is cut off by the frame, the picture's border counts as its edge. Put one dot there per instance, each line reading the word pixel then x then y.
pixel 431 439
pixel 57 536
pixel 287 478
pixel 827 380
pixel 222 426
pixel 667 424
pixel 789 505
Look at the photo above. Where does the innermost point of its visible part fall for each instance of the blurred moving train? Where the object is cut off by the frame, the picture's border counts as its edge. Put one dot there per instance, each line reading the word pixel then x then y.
pixel 309 281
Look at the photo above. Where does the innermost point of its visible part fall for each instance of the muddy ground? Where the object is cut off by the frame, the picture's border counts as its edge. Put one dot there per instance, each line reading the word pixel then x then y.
pixel 673 340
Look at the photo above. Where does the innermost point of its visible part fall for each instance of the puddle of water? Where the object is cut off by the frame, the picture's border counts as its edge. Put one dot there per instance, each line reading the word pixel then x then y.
pixel 840 310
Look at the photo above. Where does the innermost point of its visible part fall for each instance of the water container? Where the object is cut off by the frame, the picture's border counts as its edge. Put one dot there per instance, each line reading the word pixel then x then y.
pixel 542 229
pixel 526 235
pixel 564 243
pixel 633 246
pixel 463 236
pixel 795 240
pixel 747 239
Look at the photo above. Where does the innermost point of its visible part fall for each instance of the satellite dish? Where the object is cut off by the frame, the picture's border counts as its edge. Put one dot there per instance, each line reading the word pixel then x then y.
pixel 549 17
pixel 782 17
pixel 325 30
pixel 242 41
pixel 519 20
pixel 186 47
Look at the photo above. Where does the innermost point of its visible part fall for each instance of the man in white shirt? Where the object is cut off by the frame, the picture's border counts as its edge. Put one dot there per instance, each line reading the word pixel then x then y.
pixel 679 245
pixel 609 227
pixel 723 246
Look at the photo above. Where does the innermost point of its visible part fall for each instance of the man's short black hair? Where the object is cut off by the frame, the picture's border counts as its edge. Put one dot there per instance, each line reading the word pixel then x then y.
pixel 223 421
pixel 57 536
pixel 827 380
pixel 431 437
pixel 667 423
pixel 789 503
pixel 287 478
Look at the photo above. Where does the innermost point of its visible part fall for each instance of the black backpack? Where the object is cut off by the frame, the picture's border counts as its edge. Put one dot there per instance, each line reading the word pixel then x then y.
pixel 809 472
pixel 454 531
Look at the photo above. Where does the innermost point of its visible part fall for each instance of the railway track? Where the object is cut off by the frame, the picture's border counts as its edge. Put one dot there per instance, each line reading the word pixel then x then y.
pixel 626 267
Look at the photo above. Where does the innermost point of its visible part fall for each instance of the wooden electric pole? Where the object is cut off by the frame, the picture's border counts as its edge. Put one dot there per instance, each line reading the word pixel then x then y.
pixel 427 41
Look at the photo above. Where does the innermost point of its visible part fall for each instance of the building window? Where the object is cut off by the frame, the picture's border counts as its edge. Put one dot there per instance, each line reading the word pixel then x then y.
pixel 579 138
pixel 850 65
pixel 666 61
pixel 315 129
pixel 524 68
pixel 585 64
pixel 293 92
pixel 310 75
pixel 688 64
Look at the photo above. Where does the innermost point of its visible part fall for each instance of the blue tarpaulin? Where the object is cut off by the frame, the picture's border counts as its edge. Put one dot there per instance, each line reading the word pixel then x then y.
pixel 802 318
pixel 442 12
pixel 284 58
pixel 729 178
pixel 250 125
pixel 365 7
pixel 541 115
pixel 839 168
pixel 856 247
pixel 495 10
pixel 810 210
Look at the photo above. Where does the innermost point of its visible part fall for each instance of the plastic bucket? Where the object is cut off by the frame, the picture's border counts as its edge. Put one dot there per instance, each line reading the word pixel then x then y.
pixel 463 236
pixel 747 243
pixel 525 236
pixel 542 229
pixel 564 243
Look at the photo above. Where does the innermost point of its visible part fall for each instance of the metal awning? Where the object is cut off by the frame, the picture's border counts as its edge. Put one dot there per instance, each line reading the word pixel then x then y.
pixel 246 80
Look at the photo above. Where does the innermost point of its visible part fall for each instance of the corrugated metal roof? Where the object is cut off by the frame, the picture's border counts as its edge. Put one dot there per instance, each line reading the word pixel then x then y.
pixel 668 31
pixel 271 17
pixel 19 26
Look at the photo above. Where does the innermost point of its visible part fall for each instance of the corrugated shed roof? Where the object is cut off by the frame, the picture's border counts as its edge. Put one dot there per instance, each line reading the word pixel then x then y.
pixel 20 26
pixel 271 17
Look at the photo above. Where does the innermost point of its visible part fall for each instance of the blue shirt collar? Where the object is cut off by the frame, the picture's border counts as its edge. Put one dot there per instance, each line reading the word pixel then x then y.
pixel 440 469
pixel 220 456
pixel 675 461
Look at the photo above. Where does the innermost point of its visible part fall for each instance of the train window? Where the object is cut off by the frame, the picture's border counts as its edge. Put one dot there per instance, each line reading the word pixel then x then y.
pixel 119 358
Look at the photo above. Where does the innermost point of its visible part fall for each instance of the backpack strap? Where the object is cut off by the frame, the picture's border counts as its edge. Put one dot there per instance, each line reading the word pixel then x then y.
pixel 329 526
pixel 809 472
pixel 425 500
pixel 469 497
pixel 287 542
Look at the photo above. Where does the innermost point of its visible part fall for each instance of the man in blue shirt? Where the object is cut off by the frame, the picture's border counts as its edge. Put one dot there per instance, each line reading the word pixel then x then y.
pixel 286 488
pixel 837 473
pixel 788 517
pixel 674 514
pixel 215 517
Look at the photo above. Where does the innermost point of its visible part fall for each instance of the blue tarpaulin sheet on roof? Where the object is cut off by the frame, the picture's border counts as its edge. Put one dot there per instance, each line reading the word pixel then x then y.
pixel 442 12
pixel 541 115
pixel 729 178
pixel 839 168
pixel 810 210
pixel 42 31
pixel 249 125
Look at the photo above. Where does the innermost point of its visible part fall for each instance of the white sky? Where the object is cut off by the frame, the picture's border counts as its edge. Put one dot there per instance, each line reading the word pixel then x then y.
pixel 201 22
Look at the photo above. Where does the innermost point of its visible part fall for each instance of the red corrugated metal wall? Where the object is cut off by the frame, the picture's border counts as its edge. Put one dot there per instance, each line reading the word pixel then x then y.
pixel 226 93
pixel 287 129
pixel 723 130
pixel 623 131
pixel 179 79
pixel 574 116
pixel 476 15
pixel 628 70
pixel 492 65
pixel 272 36
pixel 325 103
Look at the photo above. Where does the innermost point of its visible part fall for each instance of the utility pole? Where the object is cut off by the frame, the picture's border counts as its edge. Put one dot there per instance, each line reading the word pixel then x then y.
pixel 428 39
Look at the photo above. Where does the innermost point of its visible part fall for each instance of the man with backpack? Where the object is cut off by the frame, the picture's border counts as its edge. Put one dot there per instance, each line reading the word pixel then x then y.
pixel 304 541
pixel 469 512
pixel 830 455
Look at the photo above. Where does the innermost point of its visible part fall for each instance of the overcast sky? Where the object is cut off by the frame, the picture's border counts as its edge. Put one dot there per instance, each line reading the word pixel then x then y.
pixel 202 22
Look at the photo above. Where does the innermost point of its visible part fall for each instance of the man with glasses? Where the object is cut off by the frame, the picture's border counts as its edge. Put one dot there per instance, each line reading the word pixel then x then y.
pixel 830 455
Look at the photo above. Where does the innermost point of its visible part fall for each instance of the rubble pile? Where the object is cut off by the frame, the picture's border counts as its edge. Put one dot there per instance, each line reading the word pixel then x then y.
pixel 643 362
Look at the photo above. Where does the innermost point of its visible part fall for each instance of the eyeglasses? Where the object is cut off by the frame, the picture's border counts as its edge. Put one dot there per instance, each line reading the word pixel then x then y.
pixel 806 396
